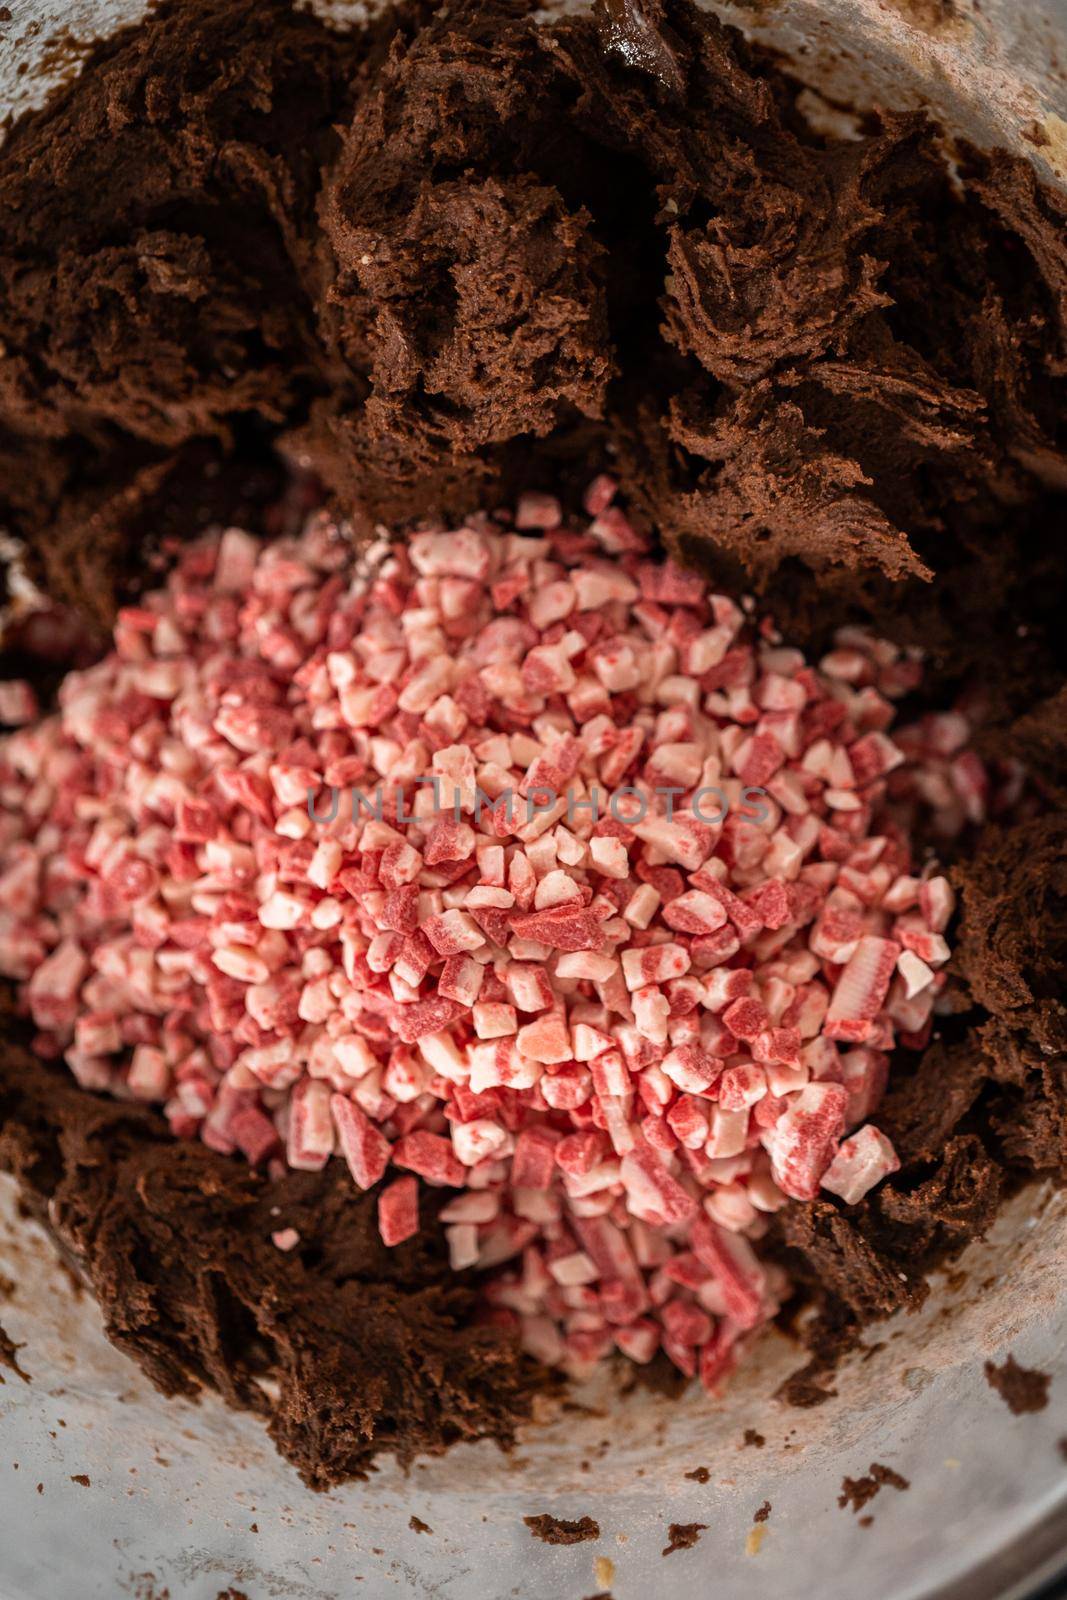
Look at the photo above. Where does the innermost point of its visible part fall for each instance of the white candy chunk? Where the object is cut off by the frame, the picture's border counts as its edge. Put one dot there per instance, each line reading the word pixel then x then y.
pixel 862 1161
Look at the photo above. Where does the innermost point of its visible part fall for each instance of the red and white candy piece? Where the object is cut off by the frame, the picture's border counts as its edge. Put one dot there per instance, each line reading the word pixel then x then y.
pixel 862 1161
pixel 621 1026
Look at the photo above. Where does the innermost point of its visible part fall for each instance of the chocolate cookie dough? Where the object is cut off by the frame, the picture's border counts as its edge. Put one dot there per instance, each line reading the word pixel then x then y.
pixel 345 1347
pixel 462 239
pixel 457 251
pixel 1021 1388
pixel 558 1530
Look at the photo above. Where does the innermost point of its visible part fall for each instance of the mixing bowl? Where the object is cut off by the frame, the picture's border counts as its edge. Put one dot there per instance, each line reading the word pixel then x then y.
pixel 110 1490
pixel 143 1496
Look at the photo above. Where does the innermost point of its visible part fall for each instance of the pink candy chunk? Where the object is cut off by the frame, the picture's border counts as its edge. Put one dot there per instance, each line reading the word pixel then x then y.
pixel 656 963
pixel 861 990
pixel 431 1156
pixel 732 1263
pixel 363 1146
pixel 650 1189
pixel 452 932
pixel 691 1068
pixel 327 857
pixel 18 703
pixel 461 980
pixel 398 1211
pixel 311 1133
pixel 862 1161
pixel 534 1160
pixel 236 561
pixel 53 988
pixel 937 899
pixel 803 1141
pixel 253 1133
pixel 560 927
pixel 538 511
pixel 545 1040
pixel 414 1022
pixel 695 912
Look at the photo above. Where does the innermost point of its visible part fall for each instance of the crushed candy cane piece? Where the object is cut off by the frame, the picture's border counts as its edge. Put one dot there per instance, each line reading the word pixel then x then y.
pixel 398 1211
pixel 862 1160
pixel 525 868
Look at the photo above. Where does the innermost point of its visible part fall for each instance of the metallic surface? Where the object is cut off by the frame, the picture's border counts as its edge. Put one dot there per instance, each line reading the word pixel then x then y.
pixel 175 1488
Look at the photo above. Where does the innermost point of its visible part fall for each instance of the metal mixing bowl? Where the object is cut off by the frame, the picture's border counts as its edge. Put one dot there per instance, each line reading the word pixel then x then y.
pixel 175 1489
pixel 190 1501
